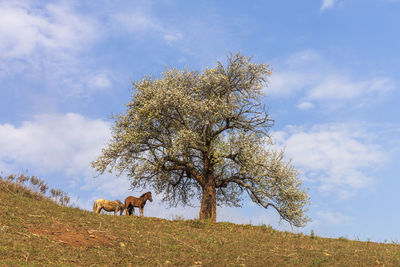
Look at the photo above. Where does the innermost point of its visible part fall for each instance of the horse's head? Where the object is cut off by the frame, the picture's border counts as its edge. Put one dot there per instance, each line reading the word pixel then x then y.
pixel 121 205
pixel 148 194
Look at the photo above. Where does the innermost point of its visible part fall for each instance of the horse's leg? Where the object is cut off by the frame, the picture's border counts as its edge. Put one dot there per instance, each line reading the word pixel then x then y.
pixel 116 211
pixel 98 208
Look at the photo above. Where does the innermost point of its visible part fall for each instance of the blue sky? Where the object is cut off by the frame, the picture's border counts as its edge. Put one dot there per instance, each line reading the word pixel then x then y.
pixel 67 66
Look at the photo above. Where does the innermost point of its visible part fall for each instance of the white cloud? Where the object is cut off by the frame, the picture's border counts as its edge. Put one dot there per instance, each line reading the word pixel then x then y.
pixel 308 77
pixel 135 21
pixel 305 105
pixel 334 156
pixel 43 43
pixel 139 20
pixel 24 28
pixel 99 80
pixel 170 37
pixel 302 58
pixel 287 83
pixel 327 4
pixel 330 217
pixel 341 87
pixel 62 143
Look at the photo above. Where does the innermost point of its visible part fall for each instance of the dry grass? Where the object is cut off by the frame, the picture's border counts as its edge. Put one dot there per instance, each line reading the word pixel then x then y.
pixel 35 231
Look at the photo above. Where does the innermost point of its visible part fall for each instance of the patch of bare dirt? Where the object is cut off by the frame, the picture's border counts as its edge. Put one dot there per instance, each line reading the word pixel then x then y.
pixel 75 237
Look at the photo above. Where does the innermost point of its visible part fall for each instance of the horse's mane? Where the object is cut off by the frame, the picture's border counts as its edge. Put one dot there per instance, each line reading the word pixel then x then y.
pixel 144 194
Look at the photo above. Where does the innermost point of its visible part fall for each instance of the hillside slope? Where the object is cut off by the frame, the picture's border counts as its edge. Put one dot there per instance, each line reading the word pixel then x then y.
pixel 35 231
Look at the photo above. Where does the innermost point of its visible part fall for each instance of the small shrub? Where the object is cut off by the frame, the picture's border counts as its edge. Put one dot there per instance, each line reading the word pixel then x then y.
pixel 22 178
pixel 265 227
pixel 11 178
pixel 247 226
pixel 60 196
pixel 178 218
pixel 65 199
pixel 197 224
pixel 34 181
pixel 312 235
pixel 43 187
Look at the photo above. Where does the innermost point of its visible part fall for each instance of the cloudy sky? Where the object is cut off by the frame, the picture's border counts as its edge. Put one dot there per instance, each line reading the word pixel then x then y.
pixel 67 66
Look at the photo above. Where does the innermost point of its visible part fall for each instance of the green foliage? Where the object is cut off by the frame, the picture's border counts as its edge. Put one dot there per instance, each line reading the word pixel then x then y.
pixel 188 132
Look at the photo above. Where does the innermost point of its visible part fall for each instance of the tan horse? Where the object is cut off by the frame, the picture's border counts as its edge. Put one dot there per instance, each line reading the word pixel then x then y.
pixel 107 205
pixel 131 202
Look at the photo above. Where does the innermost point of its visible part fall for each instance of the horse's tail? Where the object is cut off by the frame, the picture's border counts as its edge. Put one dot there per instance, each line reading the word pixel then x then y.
pixel 95 207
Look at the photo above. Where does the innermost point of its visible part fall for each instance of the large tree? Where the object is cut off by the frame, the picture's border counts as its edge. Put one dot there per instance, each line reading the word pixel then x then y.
pixel 205 134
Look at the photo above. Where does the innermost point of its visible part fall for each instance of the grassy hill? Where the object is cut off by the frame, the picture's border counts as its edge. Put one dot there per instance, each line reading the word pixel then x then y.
pixel 36 231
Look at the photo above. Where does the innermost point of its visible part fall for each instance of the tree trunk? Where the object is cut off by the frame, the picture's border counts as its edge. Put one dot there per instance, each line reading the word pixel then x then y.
pixel 208 209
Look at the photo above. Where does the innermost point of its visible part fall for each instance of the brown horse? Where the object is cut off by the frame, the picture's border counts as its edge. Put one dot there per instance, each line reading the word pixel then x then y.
pixel 107 205
pixel 132 202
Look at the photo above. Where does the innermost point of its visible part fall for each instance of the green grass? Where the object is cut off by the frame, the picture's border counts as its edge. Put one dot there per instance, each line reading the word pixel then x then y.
pixel 36 231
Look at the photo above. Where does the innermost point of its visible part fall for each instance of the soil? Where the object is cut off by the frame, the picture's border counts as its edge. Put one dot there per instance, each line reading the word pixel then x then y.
pixel 75 237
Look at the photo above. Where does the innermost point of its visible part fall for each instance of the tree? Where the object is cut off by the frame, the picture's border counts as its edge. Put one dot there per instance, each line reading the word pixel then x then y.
pixel 205 134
